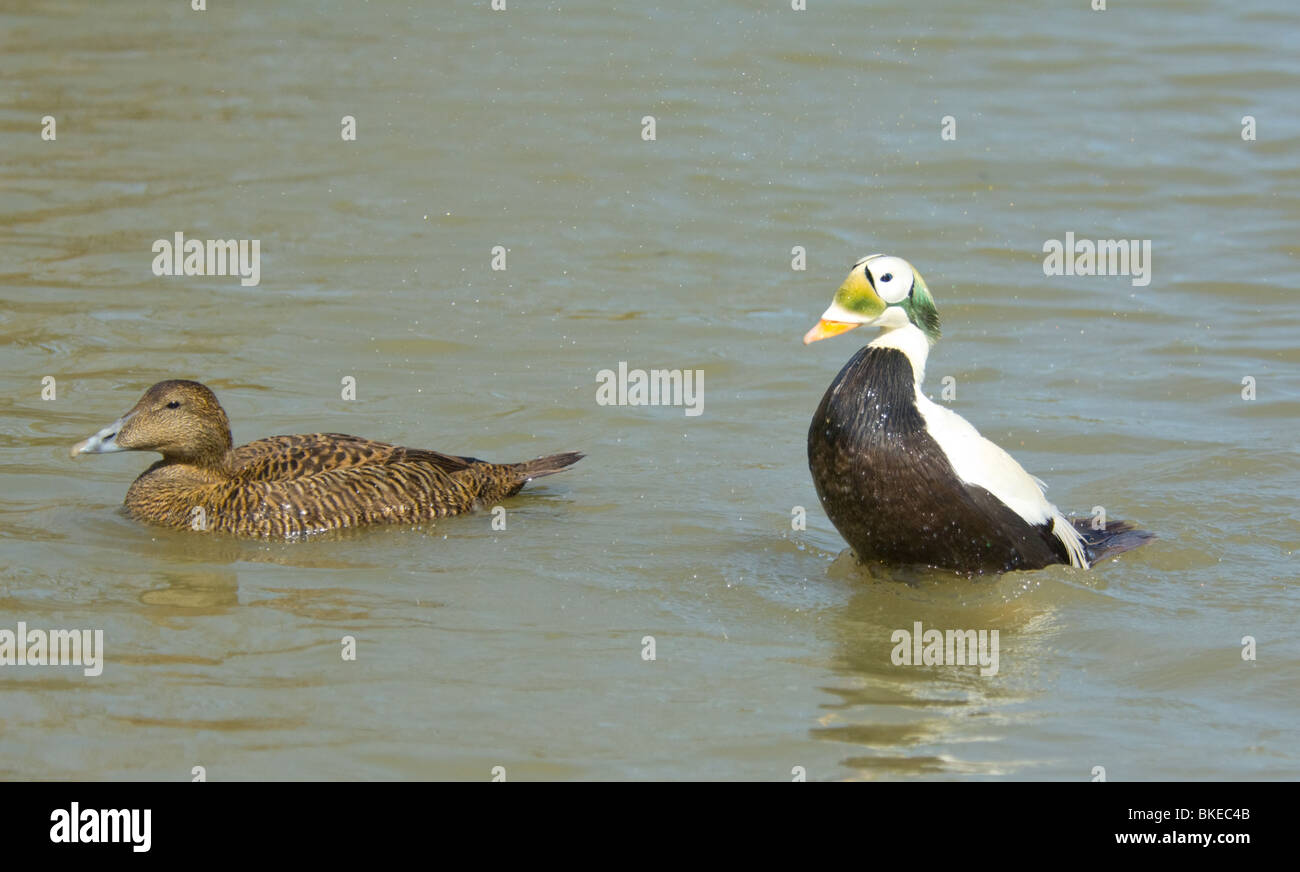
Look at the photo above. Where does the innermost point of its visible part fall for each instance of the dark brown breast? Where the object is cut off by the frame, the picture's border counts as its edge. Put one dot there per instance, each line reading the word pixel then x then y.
pixel 890 490
pixel 282 458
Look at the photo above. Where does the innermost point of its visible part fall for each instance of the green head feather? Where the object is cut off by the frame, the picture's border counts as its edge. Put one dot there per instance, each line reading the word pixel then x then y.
pixel 877 283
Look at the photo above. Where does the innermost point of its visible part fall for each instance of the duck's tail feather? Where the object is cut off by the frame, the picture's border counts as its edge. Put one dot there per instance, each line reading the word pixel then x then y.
pixel 1116 538
pixel 548 465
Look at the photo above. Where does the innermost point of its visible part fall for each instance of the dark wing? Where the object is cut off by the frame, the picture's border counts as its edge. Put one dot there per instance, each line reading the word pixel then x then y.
pixel 1026 545
pixel 289 458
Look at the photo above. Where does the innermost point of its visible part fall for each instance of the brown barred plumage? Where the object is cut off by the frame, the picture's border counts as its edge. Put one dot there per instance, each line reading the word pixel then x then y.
pixel 286 486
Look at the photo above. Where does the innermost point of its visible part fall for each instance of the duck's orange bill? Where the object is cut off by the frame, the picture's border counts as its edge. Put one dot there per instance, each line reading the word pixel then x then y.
pixel 826 329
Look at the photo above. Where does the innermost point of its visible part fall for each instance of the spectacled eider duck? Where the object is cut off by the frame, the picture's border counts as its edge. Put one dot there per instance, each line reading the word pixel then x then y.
pixel 906 481
pixel 285 486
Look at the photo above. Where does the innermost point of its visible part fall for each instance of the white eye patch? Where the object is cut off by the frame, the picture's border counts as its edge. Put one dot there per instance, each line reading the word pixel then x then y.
pixel 891 277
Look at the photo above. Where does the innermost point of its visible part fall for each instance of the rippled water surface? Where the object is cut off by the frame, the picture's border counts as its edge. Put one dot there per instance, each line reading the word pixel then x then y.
pixel 522 647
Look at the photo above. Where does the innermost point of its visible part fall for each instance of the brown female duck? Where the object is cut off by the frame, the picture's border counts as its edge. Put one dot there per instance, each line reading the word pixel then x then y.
pixel 290 485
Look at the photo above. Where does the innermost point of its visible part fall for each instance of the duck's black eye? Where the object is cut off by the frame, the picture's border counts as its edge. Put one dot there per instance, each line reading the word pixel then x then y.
pixel 887 277
pixel 174 404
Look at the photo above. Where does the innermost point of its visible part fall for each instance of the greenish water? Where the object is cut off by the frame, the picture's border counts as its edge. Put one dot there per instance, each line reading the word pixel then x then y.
pixel 522 647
